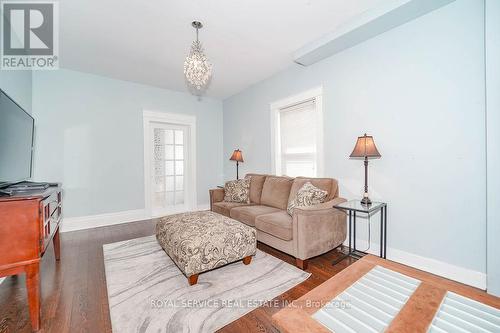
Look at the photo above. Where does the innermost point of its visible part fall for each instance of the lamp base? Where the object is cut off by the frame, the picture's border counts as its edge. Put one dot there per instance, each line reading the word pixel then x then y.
pixel 366 201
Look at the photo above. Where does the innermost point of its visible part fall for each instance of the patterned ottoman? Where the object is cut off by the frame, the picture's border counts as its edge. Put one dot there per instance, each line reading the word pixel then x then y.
pixel 200 241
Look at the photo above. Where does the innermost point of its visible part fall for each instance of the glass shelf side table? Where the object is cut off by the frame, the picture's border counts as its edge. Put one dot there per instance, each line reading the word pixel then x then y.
pixel 352 207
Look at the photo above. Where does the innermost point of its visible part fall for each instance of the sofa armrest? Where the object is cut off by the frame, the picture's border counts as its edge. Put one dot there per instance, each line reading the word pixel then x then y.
pixel 319 228
pixel 216 195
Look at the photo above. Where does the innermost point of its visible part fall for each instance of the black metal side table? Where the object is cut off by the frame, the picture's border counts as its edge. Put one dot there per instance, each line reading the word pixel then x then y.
pixel 355 206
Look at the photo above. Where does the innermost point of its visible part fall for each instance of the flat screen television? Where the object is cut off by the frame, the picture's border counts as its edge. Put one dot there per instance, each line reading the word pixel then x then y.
pixel 16 142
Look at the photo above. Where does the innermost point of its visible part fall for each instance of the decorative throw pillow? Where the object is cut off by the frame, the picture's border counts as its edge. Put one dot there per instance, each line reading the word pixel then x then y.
pixel 237 191
pixel 307 195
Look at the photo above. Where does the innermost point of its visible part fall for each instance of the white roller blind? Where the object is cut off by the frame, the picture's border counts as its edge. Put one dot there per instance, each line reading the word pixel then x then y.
pixel 298 125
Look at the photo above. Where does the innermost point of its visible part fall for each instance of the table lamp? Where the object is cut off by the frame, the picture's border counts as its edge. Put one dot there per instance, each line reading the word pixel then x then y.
pixel 238 157
pixel 365 148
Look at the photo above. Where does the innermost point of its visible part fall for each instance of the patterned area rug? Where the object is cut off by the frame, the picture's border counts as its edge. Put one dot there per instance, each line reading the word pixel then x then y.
pixel 148 293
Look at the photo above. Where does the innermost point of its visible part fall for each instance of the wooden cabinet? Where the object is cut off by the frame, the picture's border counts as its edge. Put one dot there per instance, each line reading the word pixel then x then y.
pixel 28 223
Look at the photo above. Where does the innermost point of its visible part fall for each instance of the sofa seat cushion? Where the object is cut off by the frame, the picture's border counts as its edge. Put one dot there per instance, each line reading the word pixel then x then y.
pixel 277 224
pixel 276 191
pixel 247 214
pixel 223 207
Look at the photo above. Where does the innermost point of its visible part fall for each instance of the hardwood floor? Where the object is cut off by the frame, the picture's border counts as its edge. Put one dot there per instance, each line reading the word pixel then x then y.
pixel 74 296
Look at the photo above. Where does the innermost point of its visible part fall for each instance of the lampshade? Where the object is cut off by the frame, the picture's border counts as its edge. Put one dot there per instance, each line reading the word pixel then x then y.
pixel 365 147
pixel 237 156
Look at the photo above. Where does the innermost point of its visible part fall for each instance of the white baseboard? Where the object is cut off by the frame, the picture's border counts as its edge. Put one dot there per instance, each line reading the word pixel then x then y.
pixel 449 271
pixel 203 207
pixel 102 220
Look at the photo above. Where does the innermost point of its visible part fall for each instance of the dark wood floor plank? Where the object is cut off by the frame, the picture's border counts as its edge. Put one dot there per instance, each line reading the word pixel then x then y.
pixel 97 287
pixel 70 270
pixel 80 303
pixel 74 294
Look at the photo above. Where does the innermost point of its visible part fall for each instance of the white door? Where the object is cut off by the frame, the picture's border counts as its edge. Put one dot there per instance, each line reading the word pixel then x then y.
pixel 169 162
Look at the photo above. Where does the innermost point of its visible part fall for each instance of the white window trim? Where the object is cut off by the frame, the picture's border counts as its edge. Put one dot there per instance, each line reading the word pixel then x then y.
pixel 317 94
pixel 170 118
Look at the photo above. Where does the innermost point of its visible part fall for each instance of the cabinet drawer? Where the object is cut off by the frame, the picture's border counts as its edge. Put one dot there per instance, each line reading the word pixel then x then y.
pixel 51 208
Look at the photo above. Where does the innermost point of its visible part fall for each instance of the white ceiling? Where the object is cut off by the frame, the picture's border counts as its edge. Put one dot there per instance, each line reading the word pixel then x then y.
pixel 146 41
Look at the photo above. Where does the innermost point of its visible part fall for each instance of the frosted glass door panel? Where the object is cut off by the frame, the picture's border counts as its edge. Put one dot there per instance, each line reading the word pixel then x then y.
pixel 169 152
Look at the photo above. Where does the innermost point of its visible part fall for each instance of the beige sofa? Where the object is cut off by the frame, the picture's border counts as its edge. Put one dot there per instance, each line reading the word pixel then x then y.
pixel 311 231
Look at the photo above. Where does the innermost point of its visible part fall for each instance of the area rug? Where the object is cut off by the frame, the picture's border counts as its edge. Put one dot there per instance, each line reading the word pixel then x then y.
pixel 148 293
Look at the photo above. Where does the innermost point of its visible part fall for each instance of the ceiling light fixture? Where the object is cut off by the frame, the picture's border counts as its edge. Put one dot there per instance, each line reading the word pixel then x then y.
pixel 197 68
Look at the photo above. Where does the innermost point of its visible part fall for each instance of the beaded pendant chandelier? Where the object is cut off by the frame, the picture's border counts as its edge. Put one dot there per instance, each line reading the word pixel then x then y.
pixel 197 68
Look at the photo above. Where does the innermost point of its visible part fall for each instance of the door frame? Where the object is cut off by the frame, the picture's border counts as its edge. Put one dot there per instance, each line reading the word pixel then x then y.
pixel 150 116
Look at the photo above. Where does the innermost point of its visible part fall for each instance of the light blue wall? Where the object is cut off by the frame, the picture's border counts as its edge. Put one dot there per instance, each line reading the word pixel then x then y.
pixel 17 84
pixel 90 138
pixel 493 141
pixel 419 89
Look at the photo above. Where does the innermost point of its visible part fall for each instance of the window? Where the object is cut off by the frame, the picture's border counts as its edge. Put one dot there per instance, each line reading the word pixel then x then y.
pixel 298 135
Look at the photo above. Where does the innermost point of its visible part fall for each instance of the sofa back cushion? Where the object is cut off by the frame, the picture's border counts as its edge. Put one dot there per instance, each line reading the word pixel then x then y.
pixel 327 184
pixel 276 191
pixel 256 185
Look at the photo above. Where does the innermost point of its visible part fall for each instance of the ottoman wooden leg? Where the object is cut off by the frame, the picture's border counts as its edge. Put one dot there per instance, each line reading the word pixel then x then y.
pixel 247 260
pixel 302 264
pixel 193 279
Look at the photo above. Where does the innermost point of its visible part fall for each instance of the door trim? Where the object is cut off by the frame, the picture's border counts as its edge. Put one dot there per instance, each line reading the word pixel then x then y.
pixel 150 116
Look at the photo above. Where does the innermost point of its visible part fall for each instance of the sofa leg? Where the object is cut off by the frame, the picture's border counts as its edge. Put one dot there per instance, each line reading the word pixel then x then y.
pixel 193 279
pixel 247 260
pixel 302 264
